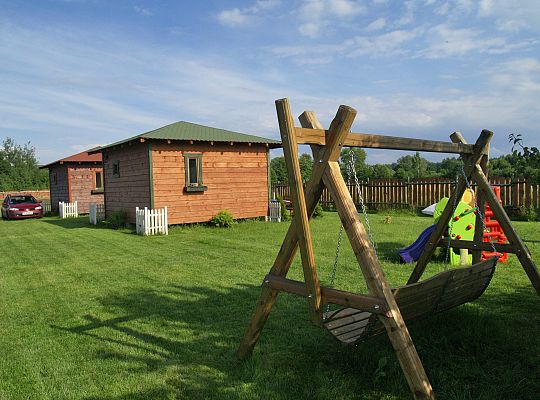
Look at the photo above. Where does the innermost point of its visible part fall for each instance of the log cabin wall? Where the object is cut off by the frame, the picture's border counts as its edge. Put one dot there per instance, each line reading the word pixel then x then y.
pixel 236 177
pixel 58 185
pixel 131 187
pixel 82 183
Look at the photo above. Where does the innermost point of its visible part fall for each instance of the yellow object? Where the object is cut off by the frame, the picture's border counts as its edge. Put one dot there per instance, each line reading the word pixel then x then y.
pixel 468 197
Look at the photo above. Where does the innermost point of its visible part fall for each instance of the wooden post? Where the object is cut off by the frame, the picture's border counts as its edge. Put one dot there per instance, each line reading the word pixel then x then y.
pixel 376 281
pixel 522 252
pixel 339 128
pixel 301 217
pixel 480 149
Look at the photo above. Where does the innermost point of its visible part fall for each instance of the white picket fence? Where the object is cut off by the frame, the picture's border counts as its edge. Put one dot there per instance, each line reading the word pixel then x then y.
pixel 68 210
pixel 275 211
pixel 151 222
pixel 46 204
pixel 96 213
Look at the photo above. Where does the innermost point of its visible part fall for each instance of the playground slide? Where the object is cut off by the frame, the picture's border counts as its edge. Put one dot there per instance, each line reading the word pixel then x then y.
pixel 412 253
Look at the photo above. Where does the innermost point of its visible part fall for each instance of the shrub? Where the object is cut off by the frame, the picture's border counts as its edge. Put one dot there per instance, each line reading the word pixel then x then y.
pixel 117 219
pixel 318 211
pixel 285 215
pixel 223 219
pixel 528 213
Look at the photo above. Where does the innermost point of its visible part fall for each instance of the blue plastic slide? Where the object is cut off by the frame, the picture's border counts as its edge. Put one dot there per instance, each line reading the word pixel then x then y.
pixel 412 253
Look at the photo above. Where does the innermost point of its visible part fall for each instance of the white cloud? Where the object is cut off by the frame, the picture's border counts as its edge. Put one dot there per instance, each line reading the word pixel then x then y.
pixel 317 15
pixel 376 25
pixel 146 12
pixel 408 15
pixel 233 18
pixel 386 44
pixel 237 17
pixel 447 41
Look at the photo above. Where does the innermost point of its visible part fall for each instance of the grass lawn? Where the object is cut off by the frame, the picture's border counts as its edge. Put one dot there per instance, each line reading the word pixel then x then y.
pixel 92 313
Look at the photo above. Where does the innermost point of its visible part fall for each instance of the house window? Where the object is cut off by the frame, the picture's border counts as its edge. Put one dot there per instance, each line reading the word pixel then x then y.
pixel 193 167
pixel 116 169
pixel 53 178
pixel 99 180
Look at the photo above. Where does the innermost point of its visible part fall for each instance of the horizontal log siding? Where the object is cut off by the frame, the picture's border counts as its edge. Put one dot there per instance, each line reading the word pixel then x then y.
pixel 132 188
pixel 81 183
pixel 60 190
pixel 236 177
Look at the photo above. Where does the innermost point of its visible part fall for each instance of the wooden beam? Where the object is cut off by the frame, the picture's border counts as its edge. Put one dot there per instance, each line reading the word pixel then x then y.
pixel 480 246
pixel 334 296
pixel 378 286
pixel 339 127
pixel 500 215
pixel 375 141
pixel 301 217
pixel 481 146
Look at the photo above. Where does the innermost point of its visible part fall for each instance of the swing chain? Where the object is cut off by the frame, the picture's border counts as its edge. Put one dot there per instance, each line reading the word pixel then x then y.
pixel 334 268
pixel 352 172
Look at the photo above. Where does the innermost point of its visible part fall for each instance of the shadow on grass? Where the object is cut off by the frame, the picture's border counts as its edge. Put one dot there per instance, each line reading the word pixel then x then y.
pixel 190 335
pixel 82 222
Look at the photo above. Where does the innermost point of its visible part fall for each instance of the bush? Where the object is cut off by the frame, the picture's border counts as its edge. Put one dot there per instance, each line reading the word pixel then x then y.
pixel 529 213
pixel 223 219
pixel 285 215
pixel 318 211
pixel 117 219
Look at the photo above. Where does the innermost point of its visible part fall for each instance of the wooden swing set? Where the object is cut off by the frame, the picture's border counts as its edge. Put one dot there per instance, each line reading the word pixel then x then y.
pixel 384 309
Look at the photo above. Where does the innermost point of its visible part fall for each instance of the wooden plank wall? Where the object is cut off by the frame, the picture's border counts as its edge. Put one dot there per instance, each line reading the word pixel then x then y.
pixel 236 176
pixel 82 182
pixel 60 190
pixel 419 193
pixel 132 188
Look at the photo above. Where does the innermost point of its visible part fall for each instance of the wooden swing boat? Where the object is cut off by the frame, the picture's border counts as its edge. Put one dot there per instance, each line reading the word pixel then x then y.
pixel 384 309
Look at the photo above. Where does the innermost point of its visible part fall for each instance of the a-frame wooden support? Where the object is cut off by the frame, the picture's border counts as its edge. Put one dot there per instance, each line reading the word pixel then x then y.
pixel 326 147
pixel 475 168
pixel 326 169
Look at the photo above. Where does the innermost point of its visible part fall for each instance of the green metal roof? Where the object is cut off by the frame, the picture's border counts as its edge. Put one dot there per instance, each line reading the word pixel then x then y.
pixel 188 131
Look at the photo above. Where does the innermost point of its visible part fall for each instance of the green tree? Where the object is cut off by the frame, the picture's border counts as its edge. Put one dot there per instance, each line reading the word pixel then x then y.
pixel 527 159
pixel 363 171
pixel 408 167
pixel 19 168
pixel 450 167
pixel 278 170
pixel 306 165
pixel 382 171
pixel 502 166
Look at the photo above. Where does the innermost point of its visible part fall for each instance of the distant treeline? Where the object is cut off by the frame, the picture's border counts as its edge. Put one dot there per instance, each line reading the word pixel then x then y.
pixel 519 163
pixel 19 169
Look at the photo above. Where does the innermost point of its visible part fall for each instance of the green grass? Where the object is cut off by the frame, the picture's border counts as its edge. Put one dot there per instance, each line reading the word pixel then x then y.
pixel 91 313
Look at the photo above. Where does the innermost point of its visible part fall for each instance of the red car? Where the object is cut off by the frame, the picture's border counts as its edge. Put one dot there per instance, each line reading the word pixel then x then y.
pixel 18 206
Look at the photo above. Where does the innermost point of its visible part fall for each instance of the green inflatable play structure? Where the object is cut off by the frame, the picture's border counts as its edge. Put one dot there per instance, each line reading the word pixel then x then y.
pixel 460 227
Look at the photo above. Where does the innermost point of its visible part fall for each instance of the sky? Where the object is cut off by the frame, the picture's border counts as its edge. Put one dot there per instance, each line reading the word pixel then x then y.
pixel 79 73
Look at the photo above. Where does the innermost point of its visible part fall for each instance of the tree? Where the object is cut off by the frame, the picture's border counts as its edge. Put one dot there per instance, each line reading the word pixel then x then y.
pixel 450 167
pixel 527 159
pixel 382 171
pixel 19 167
pixel 306 165
pixel 357 155
pixel 408 167
pixel 278 169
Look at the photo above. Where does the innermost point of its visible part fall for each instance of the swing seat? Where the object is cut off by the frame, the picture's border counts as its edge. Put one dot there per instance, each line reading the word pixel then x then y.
pixel 441 292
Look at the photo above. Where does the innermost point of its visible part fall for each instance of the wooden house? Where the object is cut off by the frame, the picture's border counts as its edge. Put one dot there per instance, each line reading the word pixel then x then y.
pixel 194 170
pixel 76 178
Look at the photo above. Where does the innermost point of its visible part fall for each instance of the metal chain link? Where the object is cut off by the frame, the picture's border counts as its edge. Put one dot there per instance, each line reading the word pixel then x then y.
pixel 352 170
pixel 334 268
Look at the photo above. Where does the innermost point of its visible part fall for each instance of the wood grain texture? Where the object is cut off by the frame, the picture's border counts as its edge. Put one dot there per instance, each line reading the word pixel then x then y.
pixel 340 126
pixel 301 216
pixel 374 141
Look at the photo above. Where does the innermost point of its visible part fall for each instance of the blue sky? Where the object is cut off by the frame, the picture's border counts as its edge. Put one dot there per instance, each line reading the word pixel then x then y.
pixel 79 73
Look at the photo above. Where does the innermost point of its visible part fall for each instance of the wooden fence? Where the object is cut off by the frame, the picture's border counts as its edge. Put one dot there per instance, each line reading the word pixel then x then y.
pixel 419 193
pixel 151 221
pixel 68 210
pixel 275 211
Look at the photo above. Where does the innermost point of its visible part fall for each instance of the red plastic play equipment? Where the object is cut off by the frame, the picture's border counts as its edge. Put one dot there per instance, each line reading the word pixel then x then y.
pixel 494 230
